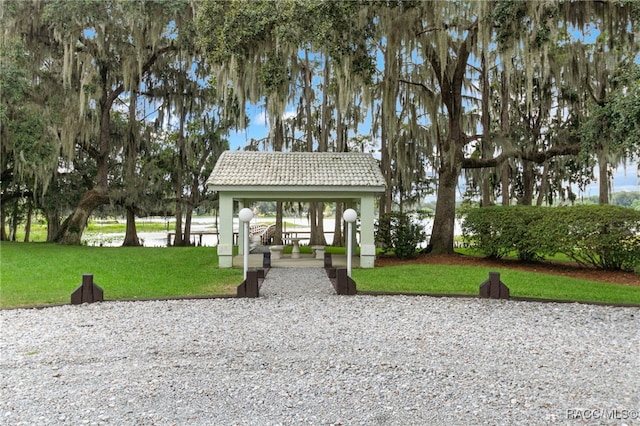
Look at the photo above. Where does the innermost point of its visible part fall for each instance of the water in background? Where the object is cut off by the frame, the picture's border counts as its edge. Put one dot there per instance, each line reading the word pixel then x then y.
pixel 159 238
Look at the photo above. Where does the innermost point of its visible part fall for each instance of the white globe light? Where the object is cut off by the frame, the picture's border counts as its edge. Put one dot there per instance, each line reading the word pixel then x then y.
pixel 245 215
pixel 350 215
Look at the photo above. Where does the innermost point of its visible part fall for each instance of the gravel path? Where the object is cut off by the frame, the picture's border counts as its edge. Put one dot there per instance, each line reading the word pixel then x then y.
pixel 302 355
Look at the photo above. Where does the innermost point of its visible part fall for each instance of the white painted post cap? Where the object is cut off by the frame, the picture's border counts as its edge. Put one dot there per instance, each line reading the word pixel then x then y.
pixel 350 215
pixel 245 215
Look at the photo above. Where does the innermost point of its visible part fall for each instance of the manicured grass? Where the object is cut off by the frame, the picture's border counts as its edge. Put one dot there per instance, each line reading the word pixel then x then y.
pixel 42 273
pixel 451 279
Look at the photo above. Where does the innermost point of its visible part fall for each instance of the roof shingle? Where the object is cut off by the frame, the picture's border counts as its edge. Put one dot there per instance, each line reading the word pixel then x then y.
pixel 295 169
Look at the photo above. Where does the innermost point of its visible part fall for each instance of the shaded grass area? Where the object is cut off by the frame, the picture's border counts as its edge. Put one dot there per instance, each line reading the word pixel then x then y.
pixel 466 280
pixel 42 273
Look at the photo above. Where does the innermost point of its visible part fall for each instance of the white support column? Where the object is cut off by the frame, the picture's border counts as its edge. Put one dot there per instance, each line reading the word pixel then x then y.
pixel 225 245
pixel 367 238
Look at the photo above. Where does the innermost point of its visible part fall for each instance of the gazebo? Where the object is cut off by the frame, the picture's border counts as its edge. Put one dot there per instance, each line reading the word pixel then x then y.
pixel 247 176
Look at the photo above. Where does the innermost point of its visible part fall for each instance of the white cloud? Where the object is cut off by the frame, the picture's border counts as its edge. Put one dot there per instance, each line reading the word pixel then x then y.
pixel 260 119
pixel 289 114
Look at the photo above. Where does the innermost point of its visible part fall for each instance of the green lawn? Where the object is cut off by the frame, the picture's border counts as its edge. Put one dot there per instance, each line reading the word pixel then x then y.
pixel 43 273
pixel 451 279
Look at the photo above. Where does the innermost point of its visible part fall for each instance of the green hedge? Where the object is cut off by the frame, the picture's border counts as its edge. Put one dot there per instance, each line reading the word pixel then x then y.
pixel 400 233
pixel 606 237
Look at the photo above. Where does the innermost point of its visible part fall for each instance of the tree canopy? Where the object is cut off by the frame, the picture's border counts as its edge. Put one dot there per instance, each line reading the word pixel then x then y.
pixel 128 103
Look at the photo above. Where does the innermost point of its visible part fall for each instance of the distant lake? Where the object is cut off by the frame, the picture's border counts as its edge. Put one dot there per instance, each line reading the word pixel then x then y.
pixel 159 239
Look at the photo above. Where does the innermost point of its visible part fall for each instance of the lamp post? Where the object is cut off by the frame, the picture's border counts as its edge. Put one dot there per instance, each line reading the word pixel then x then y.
pixel 245 215
pixel 349 216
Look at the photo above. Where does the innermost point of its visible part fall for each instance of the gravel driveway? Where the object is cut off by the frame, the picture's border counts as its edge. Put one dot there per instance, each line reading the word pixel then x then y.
pixel 302 355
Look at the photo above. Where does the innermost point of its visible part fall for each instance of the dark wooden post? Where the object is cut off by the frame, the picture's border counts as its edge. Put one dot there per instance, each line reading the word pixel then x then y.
pixel 88 292
pixel 327 260
pixel 344 284
pixel 493 288
pixel 331 272
pixel 249 287
pixel 329 269
pixel 266 260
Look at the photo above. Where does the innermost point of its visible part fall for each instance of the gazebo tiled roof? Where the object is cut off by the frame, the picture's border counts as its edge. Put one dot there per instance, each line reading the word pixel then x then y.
pixel 296 170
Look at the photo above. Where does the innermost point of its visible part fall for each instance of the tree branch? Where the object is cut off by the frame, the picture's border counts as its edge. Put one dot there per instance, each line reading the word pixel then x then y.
pixel 536 157
pixel 421 85
pixel 145 68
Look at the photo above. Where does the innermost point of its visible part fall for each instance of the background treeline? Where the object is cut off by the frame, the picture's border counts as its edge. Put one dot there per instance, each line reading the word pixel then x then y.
pixel 128 104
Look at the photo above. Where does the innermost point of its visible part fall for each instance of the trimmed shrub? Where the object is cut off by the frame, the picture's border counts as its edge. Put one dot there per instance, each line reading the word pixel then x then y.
pixel 498 231
pixel 398 232
pixel 607 237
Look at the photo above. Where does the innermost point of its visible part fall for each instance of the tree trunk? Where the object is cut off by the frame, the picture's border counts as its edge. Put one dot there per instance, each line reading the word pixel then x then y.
pixel 505 177
pixel 130 155
pixel 27 226
pixel 450 150
pixel 603 181
pixel 528 182
pixel 13 230
pixel 3 224
pixel 316 216
pixel 131 234
pixel 53 225
pixel 544 184
pixel 277 238
pixel 486 191
pixel 385 167
pixel 73 227
pixel 444 221
pixel 278 143
pixel 338 238
pixel 313 224
pixel 186 235
pixel 178 240
pixel 505 128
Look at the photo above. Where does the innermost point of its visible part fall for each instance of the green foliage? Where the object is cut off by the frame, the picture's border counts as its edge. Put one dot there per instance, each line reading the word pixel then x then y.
pixel 601 235
pixel 606 237
pixel 399 232
pixel 500 230
pixel 615 121
pixel 26 148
